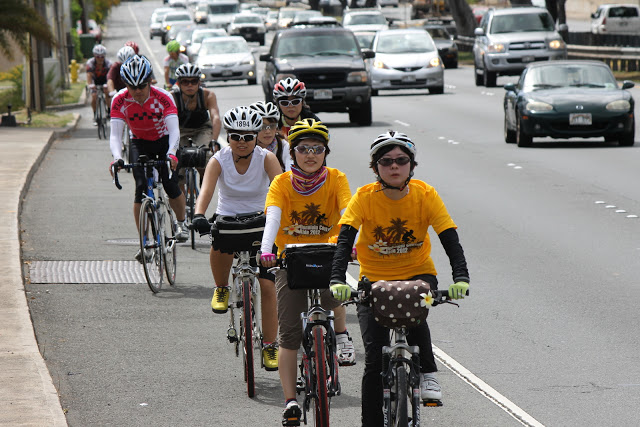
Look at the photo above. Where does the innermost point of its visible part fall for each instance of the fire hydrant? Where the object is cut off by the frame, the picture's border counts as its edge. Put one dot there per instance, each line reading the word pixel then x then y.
pixel 73 70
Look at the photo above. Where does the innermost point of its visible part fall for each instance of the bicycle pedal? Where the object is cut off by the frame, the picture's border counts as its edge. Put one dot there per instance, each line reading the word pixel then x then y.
pixel 432 403
pixel 232 335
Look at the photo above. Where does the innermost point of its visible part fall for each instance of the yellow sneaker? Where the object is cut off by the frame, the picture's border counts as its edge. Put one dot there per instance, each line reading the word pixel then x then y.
pixel 270 357
pixel 220 300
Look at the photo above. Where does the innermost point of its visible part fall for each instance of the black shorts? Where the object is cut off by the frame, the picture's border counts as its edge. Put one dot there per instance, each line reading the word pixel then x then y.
pixel 154 150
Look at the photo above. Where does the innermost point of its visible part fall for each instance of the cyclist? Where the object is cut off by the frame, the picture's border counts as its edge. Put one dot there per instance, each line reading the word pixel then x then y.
pixel 172 62
pixel 289 95
pixel 268 137
pixel 304 206
pixel 97 69
pixel 393 216
pixel 197 109
pixel 242 171
pixel 153 122
pixel 115 82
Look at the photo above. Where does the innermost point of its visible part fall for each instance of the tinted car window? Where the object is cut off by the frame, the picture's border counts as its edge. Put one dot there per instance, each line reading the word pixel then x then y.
pixel 199 36
pixel 181 17
pixel 223 8
pixel 227 46
pixel 240 19
pixel 521 22
pixel 569 75
pixel 438 33
pixel 316 44
pixel 373 19
pixel 405 43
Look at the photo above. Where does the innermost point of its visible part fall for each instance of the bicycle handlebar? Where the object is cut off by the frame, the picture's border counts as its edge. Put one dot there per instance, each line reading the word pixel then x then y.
pixel 153 163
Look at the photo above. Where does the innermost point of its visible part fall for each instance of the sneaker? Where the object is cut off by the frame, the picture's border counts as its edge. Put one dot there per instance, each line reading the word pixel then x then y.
pixel 291 414
pixel 270 357
pixel 95 123
pixel 182 234
pixel 220 300
pixel 345 351
pixel 430 387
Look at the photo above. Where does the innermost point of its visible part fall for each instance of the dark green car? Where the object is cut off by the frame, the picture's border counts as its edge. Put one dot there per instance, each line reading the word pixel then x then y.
pixel 568 99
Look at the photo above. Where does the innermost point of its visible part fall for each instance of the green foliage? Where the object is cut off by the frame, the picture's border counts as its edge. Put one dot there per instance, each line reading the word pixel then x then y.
pixel 13 95
pixel 76 12
pixel 52 88
pixel 77 50
pixel 101 9
pixel 18 19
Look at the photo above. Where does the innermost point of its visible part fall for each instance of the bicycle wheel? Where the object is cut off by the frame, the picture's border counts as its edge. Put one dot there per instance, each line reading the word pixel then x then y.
pixel 191 201
pixel 99 115
pixel 321 399
pixel 151 244
pixel 399 389
pixel 126 152
pixel 170 251
pixel 247 337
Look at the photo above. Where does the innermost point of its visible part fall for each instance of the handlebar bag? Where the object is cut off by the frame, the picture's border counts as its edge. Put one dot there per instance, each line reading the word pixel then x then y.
pixel 309 266
pixel 236 233
pixel 192 157
pixel 397 303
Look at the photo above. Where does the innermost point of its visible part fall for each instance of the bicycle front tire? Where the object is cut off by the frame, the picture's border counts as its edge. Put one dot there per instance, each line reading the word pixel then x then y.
pixel 400 388
pixel 151 246
pixel 247 337
pixel 170 248
pixel 99 116
pixel 321 399
pixel 191 201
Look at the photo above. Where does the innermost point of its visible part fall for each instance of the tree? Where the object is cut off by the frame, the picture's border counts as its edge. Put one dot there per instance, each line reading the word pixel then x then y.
pixel 462 14
pixel 18 20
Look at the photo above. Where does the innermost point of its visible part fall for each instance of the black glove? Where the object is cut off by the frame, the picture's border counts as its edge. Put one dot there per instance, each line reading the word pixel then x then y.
pixel 201 224
pixel 119 164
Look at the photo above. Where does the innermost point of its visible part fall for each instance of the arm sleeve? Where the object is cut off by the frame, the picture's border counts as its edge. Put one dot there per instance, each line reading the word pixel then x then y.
pixel 115 140
pixel 346 238
pixel 173 126
pixel 451 245
pixel 270 229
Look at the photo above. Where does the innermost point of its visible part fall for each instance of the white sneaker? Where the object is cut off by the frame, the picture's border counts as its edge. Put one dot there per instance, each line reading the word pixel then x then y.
pixel 344 349
pixel 430 387
pixel 182 233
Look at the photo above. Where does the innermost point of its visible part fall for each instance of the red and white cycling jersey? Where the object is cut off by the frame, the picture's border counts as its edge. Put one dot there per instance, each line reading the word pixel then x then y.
pixel 145 121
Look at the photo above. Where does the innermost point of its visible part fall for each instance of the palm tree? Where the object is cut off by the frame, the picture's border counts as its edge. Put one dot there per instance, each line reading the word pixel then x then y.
pixel 378 233
pixel 310 213
pixel 397 229
pixel 17 20
pixel 294 216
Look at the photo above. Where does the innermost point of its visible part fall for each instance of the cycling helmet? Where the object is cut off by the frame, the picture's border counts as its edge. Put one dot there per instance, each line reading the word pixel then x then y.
pixel 289 87
pixel 125 53
pixel 392 138
pixel 135 70
pixel 134 45
pixel 307 128
pixel 99 50
pixel 173 46
pixel 267 110
pixel 188 70
pixel 242 118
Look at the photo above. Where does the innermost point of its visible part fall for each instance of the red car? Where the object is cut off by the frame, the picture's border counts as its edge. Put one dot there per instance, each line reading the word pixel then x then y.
pixel 93 28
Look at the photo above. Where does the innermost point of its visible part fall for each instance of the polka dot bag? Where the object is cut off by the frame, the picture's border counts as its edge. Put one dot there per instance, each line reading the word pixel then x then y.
pixel 397 303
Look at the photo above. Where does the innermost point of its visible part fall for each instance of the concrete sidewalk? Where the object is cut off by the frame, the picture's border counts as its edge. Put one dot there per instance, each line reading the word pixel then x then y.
pixel 27 393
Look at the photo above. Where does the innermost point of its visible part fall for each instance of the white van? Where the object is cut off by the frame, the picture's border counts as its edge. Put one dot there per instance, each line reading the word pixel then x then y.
pixel 616 19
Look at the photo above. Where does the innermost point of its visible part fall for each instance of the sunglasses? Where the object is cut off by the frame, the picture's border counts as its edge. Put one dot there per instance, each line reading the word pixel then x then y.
pixel 289 103
pixel 245 137
pixel 99 56
pixel 310 149
pixel 388 161
pixel 189 81
pixel 269 127
pixel 141 86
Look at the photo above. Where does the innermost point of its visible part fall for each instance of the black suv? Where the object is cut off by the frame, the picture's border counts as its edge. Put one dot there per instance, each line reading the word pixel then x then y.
pixel 329 62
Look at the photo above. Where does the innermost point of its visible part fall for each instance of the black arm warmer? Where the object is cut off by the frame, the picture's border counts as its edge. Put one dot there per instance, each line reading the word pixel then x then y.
pixel 451 245
pixel 341 259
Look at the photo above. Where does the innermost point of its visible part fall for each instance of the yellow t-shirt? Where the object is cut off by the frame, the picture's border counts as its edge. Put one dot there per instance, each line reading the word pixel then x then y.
pixel 394 241
pixel 309 219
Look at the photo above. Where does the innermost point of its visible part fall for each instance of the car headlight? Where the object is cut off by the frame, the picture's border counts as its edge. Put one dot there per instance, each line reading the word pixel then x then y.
pixel 619 105
pixel 380 64
pixel 357 77
pixel 496 48
pixel 168 27
pixel 538 106
pixel 248 61
pixel 435 62
pixel 556 44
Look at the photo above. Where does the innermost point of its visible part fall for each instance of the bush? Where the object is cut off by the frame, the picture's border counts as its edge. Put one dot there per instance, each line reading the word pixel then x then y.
pixel 12 96
pixel 77 50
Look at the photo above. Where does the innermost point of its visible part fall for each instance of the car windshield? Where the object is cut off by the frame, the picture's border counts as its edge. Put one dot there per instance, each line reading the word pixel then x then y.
pixel 570 75
pixel 438 33
pixel 405 43
pixel 365 40
pixel 521 22
pixel 287 14
pixel 178 17
pixel 223 47
pixel 247 19
pixel 201 35
pixel 306 15
pixel 223 8
pixel 311 44
pixel 365 19
pixel 183 36
pixel 202 7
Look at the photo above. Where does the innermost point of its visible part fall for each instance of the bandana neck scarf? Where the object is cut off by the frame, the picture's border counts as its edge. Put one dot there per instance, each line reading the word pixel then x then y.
pixel 305 184
pixel 272 147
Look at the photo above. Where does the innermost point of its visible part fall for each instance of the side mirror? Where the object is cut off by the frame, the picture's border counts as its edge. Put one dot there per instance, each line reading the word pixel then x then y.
pixel 265 57
pixel 627 84
pixel 563 28
pixel 510 87
pixel 593 15
pixel 478 32
pixel 368 53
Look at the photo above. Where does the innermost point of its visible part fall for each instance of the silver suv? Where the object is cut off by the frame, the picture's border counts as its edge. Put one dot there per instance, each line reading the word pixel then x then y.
pixel 509 39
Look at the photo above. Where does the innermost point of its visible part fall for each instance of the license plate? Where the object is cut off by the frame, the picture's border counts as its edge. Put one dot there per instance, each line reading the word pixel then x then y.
pixel 322 94
pixel 526 59
pixel 408 79
pixel 227 72
pixel 580 119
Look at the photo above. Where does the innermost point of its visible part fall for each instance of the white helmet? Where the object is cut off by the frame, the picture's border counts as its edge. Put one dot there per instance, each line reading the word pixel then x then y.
pixel 242 118
pixel 125 53
pixel 393 138
pixel 99 50
pixel 135 70
pixel 267 110
pixel 188 70
pixel 289 87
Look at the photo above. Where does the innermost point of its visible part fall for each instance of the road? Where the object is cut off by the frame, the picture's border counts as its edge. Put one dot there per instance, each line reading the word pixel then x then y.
pixel 547 337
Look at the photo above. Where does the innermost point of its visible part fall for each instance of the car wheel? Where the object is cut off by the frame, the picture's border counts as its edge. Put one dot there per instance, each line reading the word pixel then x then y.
pixel 436 90
pixel 523 139
pixel 261 41
pixel 252 81
pixel 361 114
pixel 628 139
pixel 454 64
pixel 479 79
pixel 150 36
pixel 490 78
pixel 509 135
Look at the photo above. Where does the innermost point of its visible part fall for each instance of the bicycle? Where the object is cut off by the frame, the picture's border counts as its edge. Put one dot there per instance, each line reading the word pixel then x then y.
pixel 401 365
pixel 319 363
pixel 192 158
pixel 101 112
pixel 158 226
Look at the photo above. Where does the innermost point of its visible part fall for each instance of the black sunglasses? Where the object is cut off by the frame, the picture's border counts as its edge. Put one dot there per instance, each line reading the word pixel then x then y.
pixel 288 103
pixel 189 81
pixel 245 137
pixel 388 161
pixel 141 86
pixel 310 149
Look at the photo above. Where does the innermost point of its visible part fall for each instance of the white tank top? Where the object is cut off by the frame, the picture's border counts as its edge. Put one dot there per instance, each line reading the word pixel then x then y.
pixel 241 193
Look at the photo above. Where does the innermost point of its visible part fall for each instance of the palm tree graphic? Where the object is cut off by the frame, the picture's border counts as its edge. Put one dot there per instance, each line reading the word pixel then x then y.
pixel 294 216
pixel 396 230
pixel 310 213
pixel 378 233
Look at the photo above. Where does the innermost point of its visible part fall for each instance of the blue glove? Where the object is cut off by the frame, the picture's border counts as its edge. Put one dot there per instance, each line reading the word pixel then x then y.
pixel 458 290
pixel 340 291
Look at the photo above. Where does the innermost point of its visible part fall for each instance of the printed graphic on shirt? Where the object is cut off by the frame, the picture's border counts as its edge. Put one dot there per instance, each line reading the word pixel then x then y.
pixel 394 239
pixel 310 222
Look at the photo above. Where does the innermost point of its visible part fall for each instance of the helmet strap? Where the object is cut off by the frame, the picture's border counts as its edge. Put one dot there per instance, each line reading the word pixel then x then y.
pixel 244 157
pixel 391 187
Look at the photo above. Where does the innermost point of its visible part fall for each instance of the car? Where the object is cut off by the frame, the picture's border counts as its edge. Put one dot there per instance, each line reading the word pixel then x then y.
pixel 365 38
pixel 221 12
pixel 330 63
pixel 616 19
pixel 173 32
pixel 201 13
pixel 388 3
pixel 173 19
pixel 183 37
pixel 509 39
pixel 227 58
pixel 198 35
pixel 93 28
pixel 365 20
pixel 406 59
pixel 286 15
pixel 155 26
pixel 248 25
pixel 447 47
pixel 568 99
pixel 271 20
pixel 304 16
pixel 178 3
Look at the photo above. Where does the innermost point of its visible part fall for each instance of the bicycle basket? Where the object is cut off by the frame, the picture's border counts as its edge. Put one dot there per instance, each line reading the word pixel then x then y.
pixel 235 233
pixel 192 157
pixel 309 266
pixel 397 303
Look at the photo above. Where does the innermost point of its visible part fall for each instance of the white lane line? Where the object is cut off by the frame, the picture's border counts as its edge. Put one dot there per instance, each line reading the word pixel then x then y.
pixel 485 389
pixel 402 123
pixel 480 386
pixel 159 70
